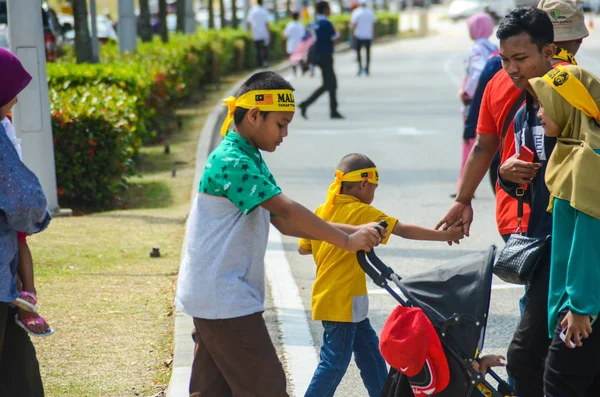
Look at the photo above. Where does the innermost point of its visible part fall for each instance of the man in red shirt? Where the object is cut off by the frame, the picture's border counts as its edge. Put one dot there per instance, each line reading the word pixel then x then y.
pixel 498 99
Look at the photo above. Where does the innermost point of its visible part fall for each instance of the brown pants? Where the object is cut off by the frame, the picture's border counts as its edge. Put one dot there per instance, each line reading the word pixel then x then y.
pixel 235 358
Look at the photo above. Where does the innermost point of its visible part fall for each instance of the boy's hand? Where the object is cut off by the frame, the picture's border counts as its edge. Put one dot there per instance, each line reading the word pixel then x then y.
pixel 364 239
pixel 377 226
pixel 455 234
pixel 578 327
pixel 486 362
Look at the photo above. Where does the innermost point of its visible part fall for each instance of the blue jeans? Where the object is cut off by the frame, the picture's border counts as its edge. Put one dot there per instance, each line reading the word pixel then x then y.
pixel 340 340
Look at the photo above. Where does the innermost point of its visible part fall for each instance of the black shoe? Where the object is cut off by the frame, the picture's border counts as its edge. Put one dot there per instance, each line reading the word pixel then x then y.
pixel 453 195
pixel 337 115
pixel 303 111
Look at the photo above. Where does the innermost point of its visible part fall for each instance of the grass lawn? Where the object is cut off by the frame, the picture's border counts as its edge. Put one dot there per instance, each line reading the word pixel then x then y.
pixel 109 302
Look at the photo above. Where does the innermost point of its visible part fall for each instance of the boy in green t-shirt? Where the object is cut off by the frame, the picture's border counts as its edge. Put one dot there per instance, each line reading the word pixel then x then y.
pixel 221 278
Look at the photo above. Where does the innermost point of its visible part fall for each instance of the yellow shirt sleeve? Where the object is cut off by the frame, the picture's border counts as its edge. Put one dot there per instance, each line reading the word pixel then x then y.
pixel 305 244
pixel 372 214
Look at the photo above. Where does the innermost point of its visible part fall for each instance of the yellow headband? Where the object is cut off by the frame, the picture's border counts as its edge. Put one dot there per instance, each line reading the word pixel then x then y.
pixel 370 174
pixel 573 91
pixel 265 100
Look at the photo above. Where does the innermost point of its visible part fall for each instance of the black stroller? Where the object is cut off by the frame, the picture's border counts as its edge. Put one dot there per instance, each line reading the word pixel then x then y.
pixel 455 298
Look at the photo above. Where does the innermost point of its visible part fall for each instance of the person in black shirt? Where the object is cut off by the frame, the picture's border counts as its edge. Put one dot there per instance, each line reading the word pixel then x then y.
pixel 321 54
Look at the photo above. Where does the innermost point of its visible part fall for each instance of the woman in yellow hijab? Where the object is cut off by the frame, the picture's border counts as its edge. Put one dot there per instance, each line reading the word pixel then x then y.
pixel 569 110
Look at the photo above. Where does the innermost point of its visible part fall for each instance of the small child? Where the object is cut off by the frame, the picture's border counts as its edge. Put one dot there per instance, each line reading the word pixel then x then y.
pixel 221 279
pixel 294 33
pixel 481 27
pixel 28 318
pixel 339 297
pixel 300 55
pixel 569 110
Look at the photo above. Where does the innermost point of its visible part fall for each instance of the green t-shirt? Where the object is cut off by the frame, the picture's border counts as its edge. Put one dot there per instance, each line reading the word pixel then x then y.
pixel 236 170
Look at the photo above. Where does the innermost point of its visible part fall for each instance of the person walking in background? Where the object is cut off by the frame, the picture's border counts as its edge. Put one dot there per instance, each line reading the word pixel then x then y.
pixel 481 27
pixel 300 55
pixel 258 21
pixel 294 32
pixel 321 54
pixel 362 24
pixel 305 12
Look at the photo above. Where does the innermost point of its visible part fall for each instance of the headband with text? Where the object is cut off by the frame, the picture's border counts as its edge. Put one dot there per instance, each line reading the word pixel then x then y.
pixel 265 100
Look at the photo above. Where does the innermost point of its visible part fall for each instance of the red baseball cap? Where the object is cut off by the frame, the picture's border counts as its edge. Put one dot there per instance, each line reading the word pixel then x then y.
pixel 410 344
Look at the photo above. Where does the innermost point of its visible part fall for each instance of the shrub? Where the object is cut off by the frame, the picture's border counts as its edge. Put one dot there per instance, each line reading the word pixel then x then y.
pixel 96 133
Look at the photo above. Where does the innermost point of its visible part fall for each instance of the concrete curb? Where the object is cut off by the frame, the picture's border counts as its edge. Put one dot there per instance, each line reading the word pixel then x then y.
pixel 183 352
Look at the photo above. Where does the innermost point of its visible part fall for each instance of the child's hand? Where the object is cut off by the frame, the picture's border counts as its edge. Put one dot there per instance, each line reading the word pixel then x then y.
pixel 455 233
pixel 364 239
pixel 486 362
pixel 578 327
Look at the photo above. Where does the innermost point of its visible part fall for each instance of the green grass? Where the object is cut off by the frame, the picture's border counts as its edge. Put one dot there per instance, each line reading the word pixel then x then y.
pixel 109 302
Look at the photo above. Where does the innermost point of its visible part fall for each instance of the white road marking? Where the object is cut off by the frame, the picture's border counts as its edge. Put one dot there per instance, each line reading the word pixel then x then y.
pixel 298 347
pixel 400 131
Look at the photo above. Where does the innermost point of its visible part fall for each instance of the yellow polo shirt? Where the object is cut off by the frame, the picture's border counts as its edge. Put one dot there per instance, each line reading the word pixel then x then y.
pixel 340 290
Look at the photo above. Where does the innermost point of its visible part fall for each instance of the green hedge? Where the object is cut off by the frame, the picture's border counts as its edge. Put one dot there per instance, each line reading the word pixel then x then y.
pixel 96 134
pixel 101 114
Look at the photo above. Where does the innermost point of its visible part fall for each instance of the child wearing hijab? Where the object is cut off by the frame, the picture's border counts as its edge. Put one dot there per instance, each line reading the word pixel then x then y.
pixel 481 27
pixel 14 79
pixel 569 110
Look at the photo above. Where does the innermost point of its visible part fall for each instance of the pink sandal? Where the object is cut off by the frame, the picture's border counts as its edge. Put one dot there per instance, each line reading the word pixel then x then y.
pixel 27 322
pixel 26 301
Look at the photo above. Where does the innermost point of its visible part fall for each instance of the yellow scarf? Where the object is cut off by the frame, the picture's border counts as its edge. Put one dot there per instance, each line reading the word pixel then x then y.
pixel 370 174
pixel 570 96
pixel 264 100
pixel 565 55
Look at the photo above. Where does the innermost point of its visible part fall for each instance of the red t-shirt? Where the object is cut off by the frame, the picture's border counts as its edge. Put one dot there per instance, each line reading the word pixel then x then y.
pixel 498 98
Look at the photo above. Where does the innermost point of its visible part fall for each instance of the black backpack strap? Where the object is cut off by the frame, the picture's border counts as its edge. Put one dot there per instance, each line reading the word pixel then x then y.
pixel 510 116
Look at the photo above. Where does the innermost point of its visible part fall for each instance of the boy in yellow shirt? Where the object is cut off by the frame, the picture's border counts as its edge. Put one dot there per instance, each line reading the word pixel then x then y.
pixel 339 297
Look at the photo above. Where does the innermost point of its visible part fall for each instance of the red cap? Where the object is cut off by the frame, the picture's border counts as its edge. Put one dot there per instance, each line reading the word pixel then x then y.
pixel 410 344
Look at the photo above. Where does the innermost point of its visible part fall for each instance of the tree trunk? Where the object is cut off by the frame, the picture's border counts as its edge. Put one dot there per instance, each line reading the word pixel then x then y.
pixel 181 16
pixel 288 8
pixel 211 14
pixel 83 40
pixel 222 13
pixel 145 23
pixel 234 10
pixel 275 13
pixel 162 20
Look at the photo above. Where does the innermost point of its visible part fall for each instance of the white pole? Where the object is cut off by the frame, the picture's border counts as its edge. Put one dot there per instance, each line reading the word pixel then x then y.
pixel 127 26
pixel 247 6
pixel 32 114
pixel 94 20
pixel 189 26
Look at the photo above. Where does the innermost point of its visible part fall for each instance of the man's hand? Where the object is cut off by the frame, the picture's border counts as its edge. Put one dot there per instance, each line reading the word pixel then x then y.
pixel 364 239
pixel 460 214
pixel 518 171
pixel 578 327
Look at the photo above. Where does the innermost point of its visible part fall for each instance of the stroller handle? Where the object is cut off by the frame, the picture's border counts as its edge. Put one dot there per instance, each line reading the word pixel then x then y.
pixel 377 270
